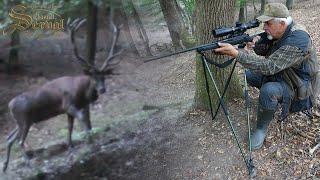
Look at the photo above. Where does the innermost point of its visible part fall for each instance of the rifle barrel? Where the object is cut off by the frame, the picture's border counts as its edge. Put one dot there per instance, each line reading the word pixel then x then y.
pixel 171 54
pixel 205 47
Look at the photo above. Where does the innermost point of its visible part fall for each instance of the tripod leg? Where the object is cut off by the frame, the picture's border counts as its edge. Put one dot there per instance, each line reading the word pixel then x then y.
pixel 207 84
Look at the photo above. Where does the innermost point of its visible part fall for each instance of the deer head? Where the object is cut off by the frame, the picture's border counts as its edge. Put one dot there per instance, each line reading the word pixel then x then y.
pixel 97 74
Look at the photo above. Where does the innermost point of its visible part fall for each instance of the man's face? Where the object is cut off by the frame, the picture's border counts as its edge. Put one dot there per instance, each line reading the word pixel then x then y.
pixel 274 29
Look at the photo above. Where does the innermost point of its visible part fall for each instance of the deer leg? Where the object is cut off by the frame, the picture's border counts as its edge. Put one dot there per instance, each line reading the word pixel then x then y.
pixel 73 111
pixel 12 133
pixel 83 116
pixel 11 139
pixel 86 118
pixel 24 133
pixel 70 128
pixel 86 124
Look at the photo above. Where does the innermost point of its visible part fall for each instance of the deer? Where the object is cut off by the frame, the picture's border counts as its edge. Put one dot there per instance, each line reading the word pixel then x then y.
pixel 69 95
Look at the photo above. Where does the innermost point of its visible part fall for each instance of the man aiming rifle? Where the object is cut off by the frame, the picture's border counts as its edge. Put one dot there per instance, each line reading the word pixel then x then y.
pixel 284 67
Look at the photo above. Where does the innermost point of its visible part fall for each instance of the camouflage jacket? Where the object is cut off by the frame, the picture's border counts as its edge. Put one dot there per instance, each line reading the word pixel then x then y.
pixel 291 59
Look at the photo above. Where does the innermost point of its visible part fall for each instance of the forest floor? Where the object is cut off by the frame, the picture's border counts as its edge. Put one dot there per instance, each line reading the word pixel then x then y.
pixel 145 127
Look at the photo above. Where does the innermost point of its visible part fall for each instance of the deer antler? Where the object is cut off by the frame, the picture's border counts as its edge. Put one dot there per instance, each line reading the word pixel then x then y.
pixel 108 62
pixel 116 31
pixel 73 27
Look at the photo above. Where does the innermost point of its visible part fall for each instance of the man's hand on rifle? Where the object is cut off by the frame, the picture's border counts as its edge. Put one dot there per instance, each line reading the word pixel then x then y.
pixel 227 49
pixel 250 45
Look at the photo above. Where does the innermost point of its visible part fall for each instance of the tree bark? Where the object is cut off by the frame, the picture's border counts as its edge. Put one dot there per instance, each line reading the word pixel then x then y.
pixel 141 30
pixel 263 3
pixel 289 4
pixel 126 29
pixel 91 40
pixel 91 31
pixel 174 21
pixel 210 15
pixel 67 6
pixel 185 18
pixel 13 61
pixel 242 15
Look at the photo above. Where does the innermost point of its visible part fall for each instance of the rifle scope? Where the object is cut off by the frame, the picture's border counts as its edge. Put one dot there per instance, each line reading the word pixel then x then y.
pixel 239 28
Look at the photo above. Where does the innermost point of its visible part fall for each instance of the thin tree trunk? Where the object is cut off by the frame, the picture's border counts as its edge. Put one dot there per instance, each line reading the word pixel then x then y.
pixel 210 15
pixel 185 18
pixel 263 3
pixel 13 61
pixel 180 15
pixel 173 20
pixel 141 30
pixel 242 16
pixel 289 4
pixel 67 6
pixel 126 28
pixel 5 8
pixel 91 39
pixel 91 31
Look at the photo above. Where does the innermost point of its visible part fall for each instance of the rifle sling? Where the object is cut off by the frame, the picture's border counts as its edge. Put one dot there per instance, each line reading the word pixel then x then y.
pixel 219 65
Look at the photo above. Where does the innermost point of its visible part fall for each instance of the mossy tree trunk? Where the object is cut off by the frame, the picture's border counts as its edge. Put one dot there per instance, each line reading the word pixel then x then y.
pixel 210 15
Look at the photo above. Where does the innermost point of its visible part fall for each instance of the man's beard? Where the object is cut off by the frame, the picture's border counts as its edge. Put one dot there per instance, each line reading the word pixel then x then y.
pixel 269 37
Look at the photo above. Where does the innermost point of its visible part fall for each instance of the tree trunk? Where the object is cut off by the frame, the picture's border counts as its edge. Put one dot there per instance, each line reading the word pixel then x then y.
pixel 289 4
pixel 263 3
pixel 66 12
pixel 13 60
pixel 91 31
pixel 185 18
pixel 91 40
pixel 14 52
pixel 5 8
pixel 141 30
pixel 188 14
pixel 210 15
pixel 174 21
pixel 126 29
pixel 242 15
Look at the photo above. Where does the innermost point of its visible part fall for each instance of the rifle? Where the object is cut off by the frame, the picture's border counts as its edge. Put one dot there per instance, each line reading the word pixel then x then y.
pixel 235 35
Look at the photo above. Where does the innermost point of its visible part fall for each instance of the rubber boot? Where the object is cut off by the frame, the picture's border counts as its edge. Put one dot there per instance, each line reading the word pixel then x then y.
pixel 263 119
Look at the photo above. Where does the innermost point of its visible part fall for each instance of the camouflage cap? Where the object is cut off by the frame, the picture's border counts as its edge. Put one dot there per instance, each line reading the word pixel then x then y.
pixel 274 10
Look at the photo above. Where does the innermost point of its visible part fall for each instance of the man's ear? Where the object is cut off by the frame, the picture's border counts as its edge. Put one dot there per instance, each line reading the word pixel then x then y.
pixel 282 23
